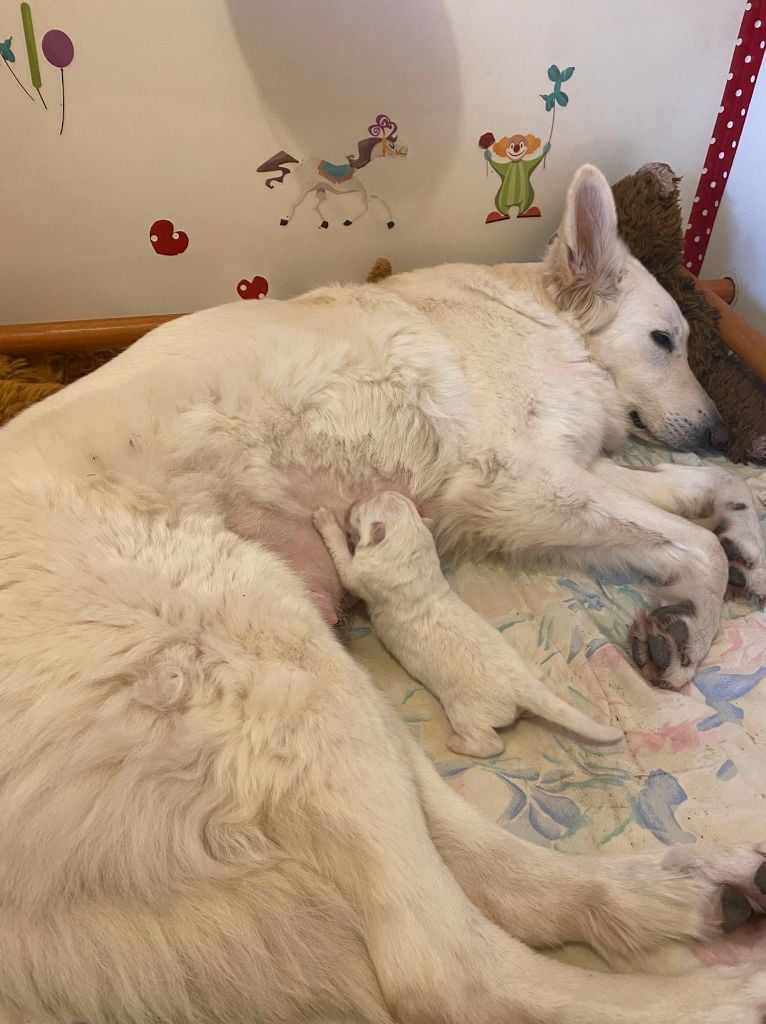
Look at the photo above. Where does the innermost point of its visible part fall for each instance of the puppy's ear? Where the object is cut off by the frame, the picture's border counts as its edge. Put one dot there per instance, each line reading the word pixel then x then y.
pixel 586 258
pixel 377 533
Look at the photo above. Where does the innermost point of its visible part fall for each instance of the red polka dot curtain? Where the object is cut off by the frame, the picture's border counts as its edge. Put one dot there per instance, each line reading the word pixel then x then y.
pixel 738 91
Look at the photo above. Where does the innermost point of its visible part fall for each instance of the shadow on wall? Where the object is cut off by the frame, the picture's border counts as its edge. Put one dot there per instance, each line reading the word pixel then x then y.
pixel 326 69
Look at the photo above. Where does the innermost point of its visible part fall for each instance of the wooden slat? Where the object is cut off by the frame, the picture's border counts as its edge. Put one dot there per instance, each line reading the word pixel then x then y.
pixel 77 335
pixel 743 339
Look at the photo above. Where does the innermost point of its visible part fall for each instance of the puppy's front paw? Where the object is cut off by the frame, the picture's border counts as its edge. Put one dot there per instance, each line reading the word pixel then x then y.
pixel 323 519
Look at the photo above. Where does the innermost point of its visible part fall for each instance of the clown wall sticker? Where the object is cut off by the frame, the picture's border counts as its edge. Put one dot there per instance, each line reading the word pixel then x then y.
pixel 316 176
pixel 514 158
pixel 508 158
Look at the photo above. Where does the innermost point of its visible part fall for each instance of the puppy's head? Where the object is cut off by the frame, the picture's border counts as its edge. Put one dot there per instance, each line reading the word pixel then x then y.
pixel 387 516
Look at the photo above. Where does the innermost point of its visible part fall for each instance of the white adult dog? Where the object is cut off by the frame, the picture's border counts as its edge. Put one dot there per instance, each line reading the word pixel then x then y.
pixel 209 812
pixel 481 682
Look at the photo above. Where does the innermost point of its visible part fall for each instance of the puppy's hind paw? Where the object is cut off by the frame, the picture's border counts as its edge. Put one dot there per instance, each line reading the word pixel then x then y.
pixel 480 743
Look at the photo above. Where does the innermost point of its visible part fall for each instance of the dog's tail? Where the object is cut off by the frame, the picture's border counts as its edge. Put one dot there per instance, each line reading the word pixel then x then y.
pixel 540 701
pixel 276 163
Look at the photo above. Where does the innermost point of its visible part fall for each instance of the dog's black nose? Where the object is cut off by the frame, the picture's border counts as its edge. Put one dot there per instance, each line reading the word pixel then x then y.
pixel 718 436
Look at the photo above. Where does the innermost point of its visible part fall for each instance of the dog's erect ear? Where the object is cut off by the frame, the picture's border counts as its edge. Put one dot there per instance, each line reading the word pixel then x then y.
pixel 586 258
pixel 377 533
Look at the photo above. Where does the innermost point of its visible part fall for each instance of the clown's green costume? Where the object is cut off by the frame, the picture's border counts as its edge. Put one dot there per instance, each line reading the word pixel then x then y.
pixel 516 189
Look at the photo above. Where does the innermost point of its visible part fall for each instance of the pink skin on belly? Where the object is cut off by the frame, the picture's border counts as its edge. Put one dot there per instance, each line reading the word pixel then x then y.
pixel 294 539
pixel 289 532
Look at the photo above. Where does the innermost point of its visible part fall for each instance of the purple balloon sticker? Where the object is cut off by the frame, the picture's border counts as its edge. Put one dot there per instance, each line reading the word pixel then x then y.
pixel 58 48
pixel 59 51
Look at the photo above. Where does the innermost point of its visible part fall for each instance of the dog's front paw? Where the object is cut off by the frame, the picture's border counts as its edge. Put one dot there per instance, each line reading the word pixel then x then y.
pixel 740 539
pixel 662 644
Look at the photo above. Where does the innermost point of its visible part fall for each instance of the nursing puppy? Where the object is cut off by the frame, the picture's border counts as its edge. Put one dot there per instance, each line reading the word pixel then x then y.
pixel 482 683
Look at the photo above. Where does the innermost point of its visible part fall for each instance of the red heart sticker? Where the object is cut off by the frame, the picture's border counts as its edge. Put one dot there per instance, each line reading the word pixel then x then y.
pixel 258 288
pixel 166 241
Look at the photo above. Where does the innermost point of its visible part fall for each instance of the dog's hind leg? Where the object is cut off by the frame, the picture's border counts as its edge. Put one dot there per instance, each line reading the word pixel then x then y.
pixel 437 958
pixel 558 510
pixel 718 500
pixel 619 905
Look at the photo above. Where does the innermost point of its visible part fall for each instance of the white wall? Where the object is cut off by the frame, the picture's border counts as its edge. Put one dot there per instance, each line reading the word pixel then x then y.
pixel 172 105
pixel 738 242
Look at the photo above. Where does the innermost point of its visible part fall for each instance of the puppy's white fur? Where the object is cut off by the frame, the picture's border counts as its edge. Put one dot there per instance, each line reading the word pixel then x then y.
pixel 209 814
pixel 481 682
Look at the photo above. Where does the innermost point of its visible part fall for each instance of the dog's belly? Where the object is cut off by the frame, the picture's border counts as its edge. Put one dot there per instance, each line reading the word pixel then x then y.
pixel 287 530
pixel 292 537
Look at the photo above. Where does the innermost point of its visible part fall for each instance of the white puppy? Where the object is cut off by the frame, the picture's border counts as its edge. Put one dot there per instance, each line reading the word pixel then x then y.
pixel 481 682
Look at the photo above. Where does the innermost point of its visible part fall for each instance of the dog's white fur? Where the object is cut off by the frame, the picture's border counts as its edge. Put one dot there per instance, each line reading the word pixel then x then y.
pixel 481 682
pixel 209 813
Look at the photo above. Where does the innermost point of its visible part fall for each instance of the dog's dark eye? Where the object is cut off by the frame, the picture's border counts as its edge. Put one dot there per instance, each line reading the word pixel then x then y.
pixel 663 340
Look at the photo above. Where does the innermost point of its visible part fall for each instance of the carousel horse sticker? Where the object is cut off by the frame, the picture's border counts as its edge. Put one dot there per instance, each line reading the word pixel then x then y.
pixel 314 175
pixel 514 158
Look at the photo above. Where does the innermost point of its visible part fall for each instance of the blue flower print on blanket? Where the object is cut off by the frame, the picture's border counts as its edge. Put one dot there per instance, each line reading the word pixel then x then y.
pixel 655 805
pixel 721 689
pixel 550 815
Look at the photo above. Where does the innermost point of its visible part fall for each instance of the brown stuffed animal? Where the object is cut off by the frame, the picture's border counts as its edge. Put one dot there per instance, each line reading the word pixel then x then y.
pixel 649 218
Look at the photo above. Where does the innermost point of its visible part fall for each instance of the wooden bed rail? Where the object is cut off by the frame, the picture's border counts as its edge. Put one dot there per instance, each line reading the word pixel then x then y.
pixel 77 335
pixel 89 335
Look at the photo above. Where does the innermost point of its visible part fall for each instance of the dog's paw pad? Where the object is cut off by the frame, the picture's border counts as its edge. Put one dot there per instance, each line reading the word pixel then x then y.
pixel 735 909
pixel 660 644
pixel 659 651
pixel 760 878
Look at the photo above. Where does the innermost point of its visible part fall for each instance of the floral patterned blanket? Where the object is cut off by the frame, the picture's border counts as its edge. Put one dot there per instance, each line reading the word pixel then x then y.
pixel 692 765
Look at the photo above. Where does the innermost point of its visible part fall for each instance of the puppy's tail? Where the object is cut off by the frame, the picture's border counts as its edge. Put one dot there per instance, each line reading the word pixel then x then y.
pixel 540 701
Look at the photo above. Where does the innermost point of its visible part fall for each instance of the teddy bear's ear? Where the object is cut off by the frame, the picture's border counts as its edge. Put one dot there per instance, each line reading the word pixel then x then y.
pixel 586 258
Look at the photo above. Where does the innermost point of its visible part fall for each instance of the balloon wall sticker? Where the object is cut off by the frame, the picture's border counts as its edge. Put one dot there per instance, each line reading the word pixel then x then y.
pixel 57 48
pixel 317 176
pixel 557 98
pixel 59 51
pixel 514 158
pixel 6 52
pixel 32 58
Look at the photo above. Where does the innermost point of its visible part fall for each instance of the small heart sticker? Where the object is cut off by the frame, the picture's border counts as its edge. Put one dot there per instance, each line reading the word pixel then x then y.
pixel 257 288
pixel 166 241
